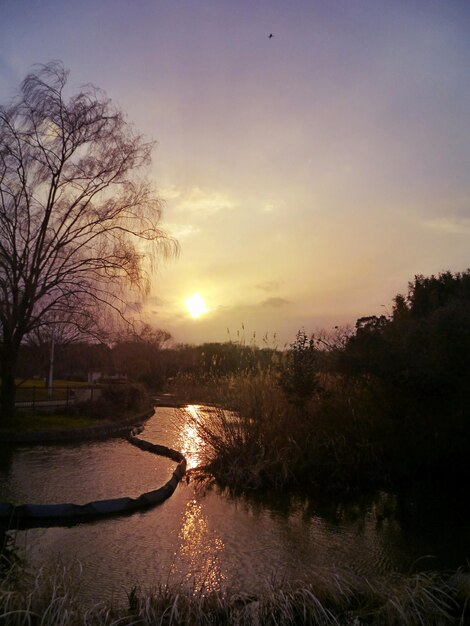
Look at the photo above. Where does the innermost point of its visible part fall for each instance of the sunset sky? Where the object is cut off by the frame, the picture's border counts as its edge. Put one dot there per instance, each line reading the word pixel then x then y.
pixel 307 176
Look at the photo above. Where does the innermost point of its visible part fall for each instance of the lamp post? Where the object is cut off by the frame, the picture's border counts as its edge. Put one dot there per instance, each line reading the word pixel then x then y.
pixel 51 367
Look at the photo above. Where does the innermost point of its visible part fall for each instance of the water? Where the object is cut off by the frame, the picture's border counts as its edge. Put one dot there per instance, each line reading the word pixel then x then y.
pixel 211 539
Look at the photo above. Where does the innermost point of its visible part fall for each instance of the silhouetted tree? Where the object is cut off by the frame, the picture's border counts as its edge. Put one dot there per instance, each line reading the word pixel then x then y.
pixel 76 222
pixel 418 361
pixel 139 355
pixel 297 373
pixel 427 294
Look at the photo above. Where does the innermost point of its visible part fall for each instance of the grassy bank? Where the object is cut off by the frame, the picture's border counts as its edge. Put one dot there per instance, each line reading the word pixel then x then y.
pixel 38 422
pixel 111 403
pixel 329 598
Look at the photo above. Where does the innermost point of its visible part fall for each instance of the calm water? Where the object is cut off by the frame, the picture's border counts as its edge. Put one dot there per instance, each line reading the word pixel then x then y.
pixel 210 538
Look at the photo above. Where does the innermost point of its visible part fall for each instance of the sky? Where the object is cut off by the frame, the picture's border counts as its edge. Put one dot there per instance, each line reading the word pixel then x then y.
pixel 307 176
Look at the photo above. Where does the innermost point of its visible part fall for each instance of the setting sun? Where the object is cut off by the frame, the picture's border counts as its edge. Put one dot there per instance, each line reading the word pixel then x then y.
pixel 196 305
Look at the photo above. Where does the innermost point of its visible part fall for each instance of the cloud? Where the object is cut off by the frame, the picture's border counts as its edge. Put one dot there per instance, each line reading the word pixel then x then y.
pixel 251 309
pixel 180 231
pixel 202 203
pixel 274 302
pixel 269 207
pixel 170 193
pixel 268 286
pixel 450 225
pixel 156 301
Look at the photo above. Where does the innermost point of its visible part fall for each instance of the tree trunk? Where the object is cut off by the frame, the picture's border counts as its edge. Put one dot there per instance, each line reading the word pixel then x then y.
pixel 7 397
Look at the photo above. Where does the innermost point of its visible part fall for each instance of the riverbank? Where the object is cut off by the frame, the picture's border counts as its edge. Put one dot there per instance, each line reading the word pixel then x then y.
pixel 327 598
pixel 115 409
pixel 48 427
pixel 74 429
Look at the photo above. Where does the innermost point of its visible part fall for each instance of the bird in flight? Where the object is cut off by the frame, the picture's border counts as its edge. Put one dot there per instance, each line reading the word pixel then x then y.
pixel 270 36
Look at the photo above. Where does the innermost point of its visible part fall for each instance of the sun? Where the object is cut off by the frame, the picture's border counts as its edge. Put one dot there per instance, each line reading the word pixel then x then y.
pixel 196 305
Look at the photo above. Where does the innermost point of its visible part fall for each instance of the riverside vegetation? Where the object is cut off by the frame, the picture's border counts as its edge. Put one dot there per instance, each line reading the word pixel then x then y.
pixel 384 403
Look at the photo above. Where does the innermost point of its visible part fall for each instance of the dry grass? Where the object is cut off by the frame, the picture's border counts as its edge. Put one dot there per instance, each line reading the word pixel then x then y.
pixel 330 598
pixel 265 440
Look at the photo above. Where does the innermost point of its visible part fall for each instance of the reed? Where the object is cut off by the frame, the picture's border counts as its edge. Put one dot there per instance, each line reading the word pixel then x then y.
pixel 328 598
pixel 262 439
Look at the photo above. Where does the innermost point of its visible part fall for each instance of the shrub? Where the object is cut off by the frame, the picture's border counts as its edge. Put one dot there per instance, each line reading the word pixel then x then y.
pixel 297 371
pixel 117 399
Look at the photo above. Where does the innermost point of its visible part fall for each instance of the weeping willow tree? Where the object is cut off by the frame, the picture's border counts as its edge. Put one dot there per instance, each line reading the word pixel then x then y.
pixel 79 222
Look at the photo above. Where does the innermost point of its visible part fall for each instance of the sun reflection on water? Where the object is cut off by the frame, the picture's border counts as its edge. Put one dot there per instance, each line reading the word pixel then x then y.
pixel 199 550
pixel 197 557
pixel 190 441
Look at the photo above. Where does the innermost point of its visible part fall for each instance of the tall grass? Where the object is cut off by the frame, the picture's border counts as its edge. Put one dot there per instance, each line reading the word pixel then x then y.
pixel 331 440
pixel 329 598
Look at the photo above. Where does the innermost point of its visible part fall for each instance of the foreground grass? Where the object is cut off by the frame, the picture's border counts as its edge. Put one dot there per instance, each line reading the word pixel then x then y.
pixel 327 599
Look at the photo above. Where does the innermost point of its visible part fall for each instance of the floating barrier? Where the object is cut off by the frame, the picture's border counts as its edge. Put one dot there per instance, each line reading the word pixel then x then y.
pixel 64 514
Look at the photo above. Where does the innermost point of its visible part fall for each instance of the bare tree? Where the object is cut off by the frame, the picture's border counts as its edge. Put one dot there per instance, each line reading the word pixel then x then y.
pixel 77 223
